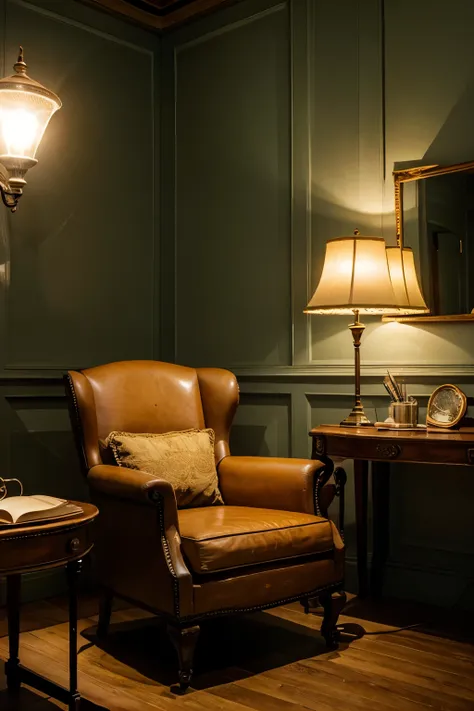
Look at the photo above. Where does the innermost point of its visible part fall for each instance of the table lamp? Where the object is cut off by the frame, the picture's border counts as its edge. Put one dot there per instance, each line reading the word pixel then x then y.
pixel 357 278
pixel 401 264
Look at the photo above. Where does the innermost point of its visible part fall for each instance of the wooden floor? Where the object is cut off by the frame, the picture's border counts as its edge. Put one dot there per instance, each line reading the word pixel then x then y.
pixel 272 661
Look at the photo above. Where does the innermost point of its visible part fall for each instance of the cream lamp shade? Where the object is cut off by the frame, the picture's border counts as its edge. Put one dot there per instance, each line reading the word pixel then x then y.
pixel 361 275
pixel 355 276
pixel 401 264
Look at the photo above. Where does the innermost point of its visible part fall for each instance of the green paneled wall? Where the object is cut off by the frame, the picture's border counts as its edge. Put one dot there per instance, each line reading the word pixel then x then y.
pixel 78 266
pixel 281 125
pixel 233 89
pixel 180 209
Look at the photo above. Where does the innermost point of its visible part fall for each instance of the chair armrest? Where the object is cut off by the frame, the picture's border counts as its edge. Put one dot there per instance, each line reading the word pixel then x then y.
pixel 149 505
pixel 276 483
pixel 127 483
pixel 135 485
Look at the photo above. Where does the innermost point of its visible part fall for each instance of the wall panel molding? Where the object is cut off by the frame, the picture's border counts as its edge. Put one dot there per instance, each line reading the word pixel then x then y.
pixel 263 422
pixel 229 27
pixel 345 87
pixel 37 238
pixel 430 374
pixel 328 369
pixel 302 30
pixel 256 190
pixel 82 24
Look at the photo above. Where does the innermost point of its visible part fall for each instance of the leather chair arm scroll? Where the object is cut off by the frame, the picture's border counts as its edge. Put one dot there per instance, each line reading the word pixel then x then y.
pixel 137 486
pixel 276 483
pixel 130 488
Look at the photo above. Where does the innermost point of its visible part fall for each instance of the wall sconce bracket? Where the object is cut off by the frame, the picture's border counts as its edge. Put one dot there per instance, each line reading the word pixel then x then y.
pixel 12 178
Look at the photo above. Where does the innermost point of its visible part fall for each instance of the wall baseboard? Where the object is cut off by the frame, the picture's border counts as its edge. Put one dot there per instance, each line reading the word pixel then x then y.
pixel 441 587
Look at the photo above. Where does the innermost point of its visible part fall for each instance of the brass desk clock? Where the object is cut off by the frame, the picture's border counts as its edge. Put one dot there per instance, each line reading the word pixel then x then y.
pixel 446 406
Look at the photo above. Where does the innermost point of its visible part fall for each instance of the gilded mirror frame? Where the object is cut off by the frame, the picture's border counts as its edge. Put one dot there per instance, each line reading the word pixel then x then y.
pixel 408 175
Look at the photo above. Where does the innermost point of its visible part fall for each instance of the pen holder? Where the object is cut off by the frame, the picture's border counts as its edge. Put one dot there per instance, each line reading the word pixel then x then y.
pixel 404 413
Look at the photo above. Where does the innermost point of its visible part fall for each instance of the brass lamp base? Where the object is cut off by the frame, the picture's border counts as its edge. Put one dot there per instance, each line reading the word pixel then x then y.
pixel 356 418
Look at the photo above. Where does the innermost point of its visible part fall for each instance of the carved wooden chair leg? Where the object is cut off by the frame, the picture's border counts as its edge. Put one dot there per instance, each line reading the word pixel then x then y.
pixel 184 640
pixel 310 604
pixel 333 604
pixel 305 605
pixel 105 613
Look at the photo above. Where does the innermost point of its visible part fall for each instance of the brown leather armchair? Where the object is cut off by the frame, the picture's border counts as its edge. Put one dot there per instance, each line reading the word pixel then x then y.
pixel 269 544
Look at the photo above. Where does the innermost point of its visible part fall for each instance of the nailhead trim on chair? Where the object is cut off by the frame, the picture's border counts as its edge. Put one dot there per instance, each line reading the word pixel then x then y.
pixel 157 499
pixel 266 606
pixel 318 484
pixel 78 430
pixel 154 496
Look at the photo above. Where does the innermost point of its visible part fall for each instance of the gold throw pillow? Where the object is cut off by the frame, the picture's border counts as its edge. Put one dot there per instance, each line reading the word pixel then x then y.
pixel 185 459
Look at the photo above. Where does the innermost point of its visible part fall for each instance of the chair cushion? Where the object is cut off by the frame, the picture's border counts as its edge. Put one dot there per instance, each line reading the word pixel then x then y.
pixel 215 539
pixel 185 459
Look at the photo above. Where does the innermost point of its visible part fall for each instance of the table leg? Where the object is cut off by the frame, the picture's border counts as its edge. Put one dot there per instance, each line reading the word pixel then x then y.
pixel 361 481
pixel 12 668
pixel 73 570
pixel 381 524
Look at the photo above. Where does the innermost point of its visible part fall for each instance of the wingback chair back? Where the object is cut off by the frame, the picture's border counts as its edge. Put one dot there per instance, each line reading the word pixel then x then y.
pixel 151 396
pixel 271 542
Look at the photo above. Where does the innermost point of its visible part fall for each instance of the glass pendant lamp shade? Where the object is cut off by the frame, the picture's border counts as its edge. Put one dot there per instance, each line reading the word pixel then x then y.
pixel 355 276
pixel 401 263
pixel 25 110
pixel 23 120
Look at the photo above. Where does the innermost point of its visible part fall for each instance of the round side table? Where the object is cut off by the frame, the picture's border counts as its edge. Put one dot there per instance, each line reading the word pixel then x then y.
pixel 42 546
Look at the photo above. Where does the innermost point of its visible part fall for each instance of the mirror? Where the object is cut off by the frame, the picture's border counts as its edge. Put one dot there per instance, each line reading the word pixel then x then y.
pixel 434 213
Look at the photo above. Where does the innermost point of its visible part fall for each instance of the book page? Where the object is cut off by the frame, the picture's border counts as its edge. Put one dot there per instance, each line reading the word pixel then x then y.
pixel 17 506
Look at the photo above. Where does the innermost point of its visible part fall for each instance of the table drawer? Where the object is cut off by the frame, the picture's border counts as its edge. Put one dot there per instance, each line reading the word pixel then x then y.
pixel 34 551
pixel 401 450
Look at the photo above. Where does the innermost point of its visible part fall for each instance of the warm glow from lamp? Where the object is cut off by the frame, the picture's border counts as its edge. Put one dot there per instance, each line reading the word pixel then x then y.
pixel 355 276
pixel 19 128
pixel 25 110
pixel 401 263
pixel 23 120
pixel 356 279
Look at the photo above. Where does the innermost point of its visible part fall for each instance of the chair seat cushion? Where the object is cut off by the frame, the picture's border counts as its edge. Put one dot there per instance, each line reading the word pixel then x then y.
pixel 215 539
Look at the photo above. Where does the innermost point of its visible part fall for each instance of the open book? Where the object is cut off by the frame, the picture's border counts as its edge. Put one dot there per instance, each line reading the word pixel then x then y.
pixel 23 509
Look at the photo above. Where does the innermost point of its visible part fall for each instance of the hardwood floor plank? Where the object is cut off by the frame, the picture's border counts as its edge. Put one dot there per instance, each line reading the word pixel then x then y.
pixel 278 688
pixel 298 616
pixel 256 699
pixel 114 692
pixel 431 644
pixel 34 615
pixel 354 691
pixel 401 691
pixel 458 685
pixel 273 661
pixel 436 692
pixel 437 660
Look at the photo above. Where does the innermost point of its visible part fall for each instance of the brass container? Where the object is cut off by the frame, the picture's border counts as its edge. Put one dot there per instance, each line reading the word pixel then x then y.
pixel 404 413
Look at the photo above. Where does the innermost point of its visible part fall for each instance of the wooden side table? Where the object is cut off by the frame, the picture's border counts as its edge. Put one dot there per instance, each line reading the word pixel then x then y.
pixel 42 546
pixel 367 444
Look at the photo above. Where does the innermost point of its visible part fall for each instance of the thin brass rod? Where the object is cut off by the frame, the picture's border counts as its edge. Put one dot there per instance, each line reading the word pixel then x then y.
pixel 356 339
pixel 357 416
